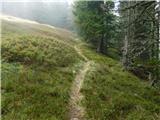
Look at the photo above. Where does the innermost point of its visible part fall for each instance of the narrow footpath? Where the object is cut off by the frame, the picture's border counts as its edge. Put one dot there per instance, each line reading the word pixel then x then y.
pixel 77 111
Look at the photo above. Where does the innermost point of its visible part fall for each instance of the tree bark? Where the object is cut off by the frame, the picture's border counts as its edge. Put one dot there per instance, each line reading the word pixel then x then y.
pixel 125 51
pixel 157 46
pixel 100 47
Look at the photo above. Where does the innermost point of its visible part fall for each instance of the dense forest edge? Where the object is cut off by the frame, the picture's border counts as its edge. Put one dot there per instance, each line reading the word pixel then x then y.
pixel 124 30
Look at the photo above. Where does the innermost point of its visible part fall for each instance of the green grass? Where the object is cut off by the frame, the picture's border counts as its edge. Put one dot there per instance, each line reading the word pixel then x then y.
pixel 37 72
pixel 114 94
pixel 39 65
pixel 35 94
pixel 37 50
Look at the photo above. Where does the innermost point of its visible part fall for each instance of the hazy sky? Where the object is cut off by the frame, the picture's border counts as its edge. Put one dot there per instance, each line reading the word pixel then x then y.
pixel 56 13
pixel 69 1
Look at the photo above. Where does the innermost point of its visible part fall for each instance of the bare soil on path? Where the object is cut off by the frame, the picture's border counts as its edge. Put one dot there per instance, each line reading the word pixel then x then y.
pixel 76 110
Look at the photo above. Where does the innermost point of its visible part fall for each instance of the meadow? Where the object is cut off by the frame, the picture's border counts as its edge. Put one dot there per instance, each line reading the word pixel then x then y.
pixel 37 71
pixel 40 64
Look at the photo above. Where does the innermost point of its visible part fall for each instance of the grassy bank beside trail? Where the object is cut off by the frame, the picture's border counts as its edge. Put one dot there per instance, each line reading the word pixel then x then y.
pixel 114 94
pixel 37 72
pixel 39 64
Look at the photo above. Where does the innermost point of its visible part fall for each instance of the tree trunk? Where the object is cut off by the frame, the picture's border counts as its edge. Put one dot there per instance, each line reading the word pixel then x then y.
pixel 127 39
pixel 100 47
pixel 157 43
pixel 157 46
pixel 125 51
pixel 158 32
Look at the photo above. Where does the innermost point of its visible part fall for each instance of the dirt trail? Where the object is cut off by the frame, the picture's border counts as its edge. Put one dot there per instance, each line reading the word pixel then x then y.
pixel 77 111
pixel 80 53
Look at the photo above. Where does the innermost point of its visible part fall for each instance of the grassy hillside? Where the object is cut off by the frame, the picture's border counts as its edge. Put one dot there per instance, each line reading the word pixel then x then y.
pixel 114 94
pixel 38 68
pixel 39 64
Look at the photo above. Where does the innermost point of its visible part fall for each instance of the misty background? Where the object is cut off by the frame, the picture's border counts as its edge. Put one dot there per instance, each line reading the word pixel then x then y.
pixel 58 14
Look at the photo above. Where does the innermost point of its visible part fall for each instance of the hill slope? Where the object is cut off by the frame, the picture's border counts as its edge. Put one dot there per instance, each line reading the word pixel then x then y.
pixel 40 64
pixel 114 94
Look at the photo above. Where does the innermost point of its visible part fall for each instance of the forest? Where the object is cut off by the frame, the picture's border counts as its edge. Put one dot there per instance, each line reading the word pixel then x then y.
pixel 80 60
pixel 132 36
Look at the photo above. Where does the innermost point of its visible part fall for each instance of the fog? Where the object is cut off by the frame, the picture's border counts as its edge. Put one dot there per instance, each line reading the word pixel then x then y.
pixel 57 13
